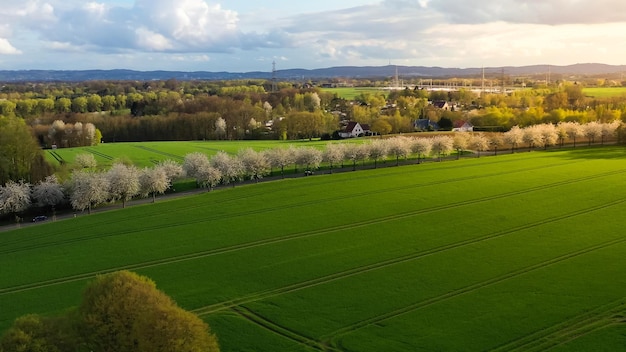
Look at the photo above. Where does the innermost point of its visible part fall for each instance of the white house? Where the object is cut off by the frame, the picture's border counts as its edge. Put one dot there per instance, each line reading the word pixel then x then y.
pixel 463 126
pixel 354 129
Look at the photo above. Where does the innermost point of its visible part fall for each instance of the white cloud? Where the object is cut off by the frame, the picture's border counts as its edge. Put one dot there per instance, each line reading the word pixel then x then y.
pixel 237 33
pixel 7 49
pixel 150 40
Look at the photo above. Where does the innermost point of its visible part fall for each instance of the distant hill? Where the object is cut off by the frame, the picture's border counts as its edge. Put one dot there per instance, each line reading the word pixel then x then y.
pixel 297 74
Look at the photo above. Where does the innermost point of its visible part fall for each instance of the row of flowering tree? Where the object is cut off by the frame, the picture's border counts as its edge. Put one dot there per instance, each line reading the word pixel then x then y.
pixel 88 188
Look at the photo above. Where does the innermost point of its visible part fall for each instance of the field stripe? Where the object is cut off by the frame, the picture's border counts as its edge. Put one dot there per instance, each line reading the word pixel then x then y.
pixel 601 317
pixel 268 241
pixel 332 337
pixel 386 263
pixel 205 219
pixel 248 195
pixel 281 330
pixel 152 150
pixel 98 153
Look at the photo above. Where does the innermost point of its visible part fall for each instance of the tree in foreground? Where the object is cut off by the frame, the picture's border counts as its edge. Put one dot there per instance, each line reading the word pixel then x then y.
pixel 33 333
pixel 125 312
pixel 120 312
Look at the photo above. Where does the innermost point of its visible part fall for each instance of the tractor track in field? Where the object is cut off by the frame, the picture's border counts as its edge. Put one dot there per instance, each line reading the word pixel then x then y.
pixel 96 225
pixel 383 264
pixel 331 338
pixel 281 330
pixel 274 240
pixel 601 317
pixel 98 153
pixel 298 205
pixel 284 206
pixel 56 156
pixel 156 151
pixel 301 285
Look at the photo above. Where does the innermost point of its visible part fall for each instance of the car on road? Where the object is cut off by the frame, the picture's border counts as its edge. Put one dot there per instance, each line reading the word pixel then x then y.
pixel 40 218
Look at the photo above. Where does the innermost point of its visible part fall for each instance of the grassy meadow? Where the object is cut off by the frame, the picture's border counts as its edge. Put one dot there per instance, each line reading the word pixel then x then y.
pixel 602 92
pixel 149 153
pixel 518 252
pixel 349 93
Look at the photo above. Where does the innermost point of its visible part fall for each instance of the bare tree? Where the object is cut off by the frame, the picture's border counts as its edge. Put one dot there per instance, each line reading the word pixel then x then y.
pixel 333 154
pixel 280 157
pixel 255 164
pixel 14 198
pixel 421 147
pixel 48 192
pixel 88 189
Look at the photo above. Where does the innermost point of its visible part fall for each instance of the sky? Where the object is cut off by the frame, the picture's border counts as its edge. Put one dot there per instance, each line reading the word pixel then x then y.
pixel 247 35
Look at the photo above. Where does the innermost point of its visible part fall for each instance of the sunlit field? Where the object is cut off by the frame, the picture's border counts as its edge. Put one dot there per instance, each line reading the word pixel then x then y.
pixel 605 92
pixel 149 153
pixel 349 93
pixel 516 252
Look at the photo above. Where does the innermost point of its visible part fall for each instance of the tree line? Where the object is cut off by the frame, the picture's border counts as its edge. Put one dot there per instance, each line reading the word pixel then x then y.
pixel 88 187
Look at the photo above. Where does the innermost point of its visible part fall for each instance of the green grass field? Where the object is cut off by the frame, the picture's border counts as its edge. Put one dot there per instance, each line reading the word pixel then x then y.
pixel 605 92
pixel 149 153
pixel 517 252
pixel 349 93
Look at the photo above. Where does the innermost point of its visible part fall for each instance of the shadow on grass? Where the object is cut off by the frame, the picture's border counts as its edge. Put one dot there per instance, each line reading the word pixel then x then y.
pixel 597 151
